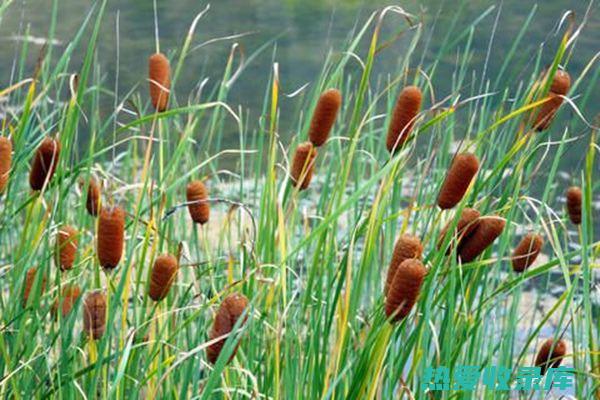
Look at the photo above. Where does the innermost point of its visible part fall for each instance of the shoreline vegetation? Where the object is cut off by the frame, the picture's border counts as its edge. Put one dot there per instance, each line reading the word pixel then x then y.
pixel 399 229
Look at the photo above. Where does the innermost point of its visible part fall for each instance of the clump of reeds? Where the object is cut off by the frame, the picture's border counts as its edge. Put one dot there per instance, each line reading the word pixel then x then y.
pixel 94 314
pixel 30 278
pixel 162 277
pixel 527 251
pixel 488 229
pixel 561 83
pixel 574 196
pixel 198 206
pixel 70 294
pixel 227 315
pixel 159 72
pixel 111 236
pixel 465 226
pixel 462 171
pixel 66 246
pixel 303 165
pixel 404 115
pixel 407 246
pixel 5 161
pixel 404 289
pixel 44 163
pixel 92 201
pixel 550 354
pixel 324 116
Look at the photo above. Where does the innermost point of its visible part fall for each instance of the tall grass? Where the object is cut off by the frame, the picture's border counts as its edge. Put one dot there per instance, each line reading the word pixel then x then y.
pixel 312 263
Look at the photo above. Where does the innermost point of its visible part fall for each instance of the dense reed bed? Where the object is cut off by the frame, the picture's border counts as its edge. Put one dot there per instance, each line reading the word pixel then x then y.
pixel 181 245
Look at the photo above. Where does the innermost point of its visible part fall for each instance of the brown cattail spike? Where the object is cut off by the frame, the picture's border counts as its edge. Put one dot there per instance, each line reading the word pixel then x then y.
pixel 560 87
pixel 407 246
pixel 30 279
pixel 527 251
pixel 69 297
pixel 462 171
pixel 44 163
pixel 229 312
pixel 465 226
pixel 303 165
pixel 404 115
pixel 66 247
pixel 574 196
pixel 163 275
pixel 94 314
pixel 550 354
pixel 404 290
pixel 324 116
pixel 160 81
pixel 198 206
pixel 111 236
pixel 92 201
pixel 488 229
pixel 5 161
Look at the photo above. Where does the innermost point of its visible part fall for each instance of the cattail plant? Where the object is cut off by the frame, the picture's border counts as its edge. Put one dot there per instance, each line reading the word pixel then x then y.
pixel 163 275
pixel 527 251
pixel 324 116
pixel 574 197
pixel 92 201
pixel 198 206
pixel 229 312
pixel 550 354
pixel 5 161
pixel 488 229
pixel 111 236
pixel 462 171
pixel 94 314
pixel 70 294
pixel 303 165
pixel 407 246
pixel 44 163
pixel 404 289
pixel 30 278
pixel 404 115
pixel 465 226
pixel 160 81
pixel 560 86
pixel 66 247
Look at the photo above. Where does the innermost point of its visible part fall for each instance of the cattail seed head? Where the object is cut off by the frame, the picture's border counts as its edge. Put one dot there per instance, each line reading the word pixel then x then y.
pixel 404 289
pixel 66 246
pixel 488 229
pixel 527 251
pixel 199 209
pixel 407 246
pixel 5 161
pixel 44 163
pixel 404 115
pixel 574 196
pixel 92 201
pixel 324 116
pixel 561 83
pixel 30 278
pixel 229 312
pixel 462 171
pixel 550 354
pixel 164 273
pixel 70 294
pixel 465 226
pixel 160 81
pixel 111 236
pixel 94 314
pixel 303 165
